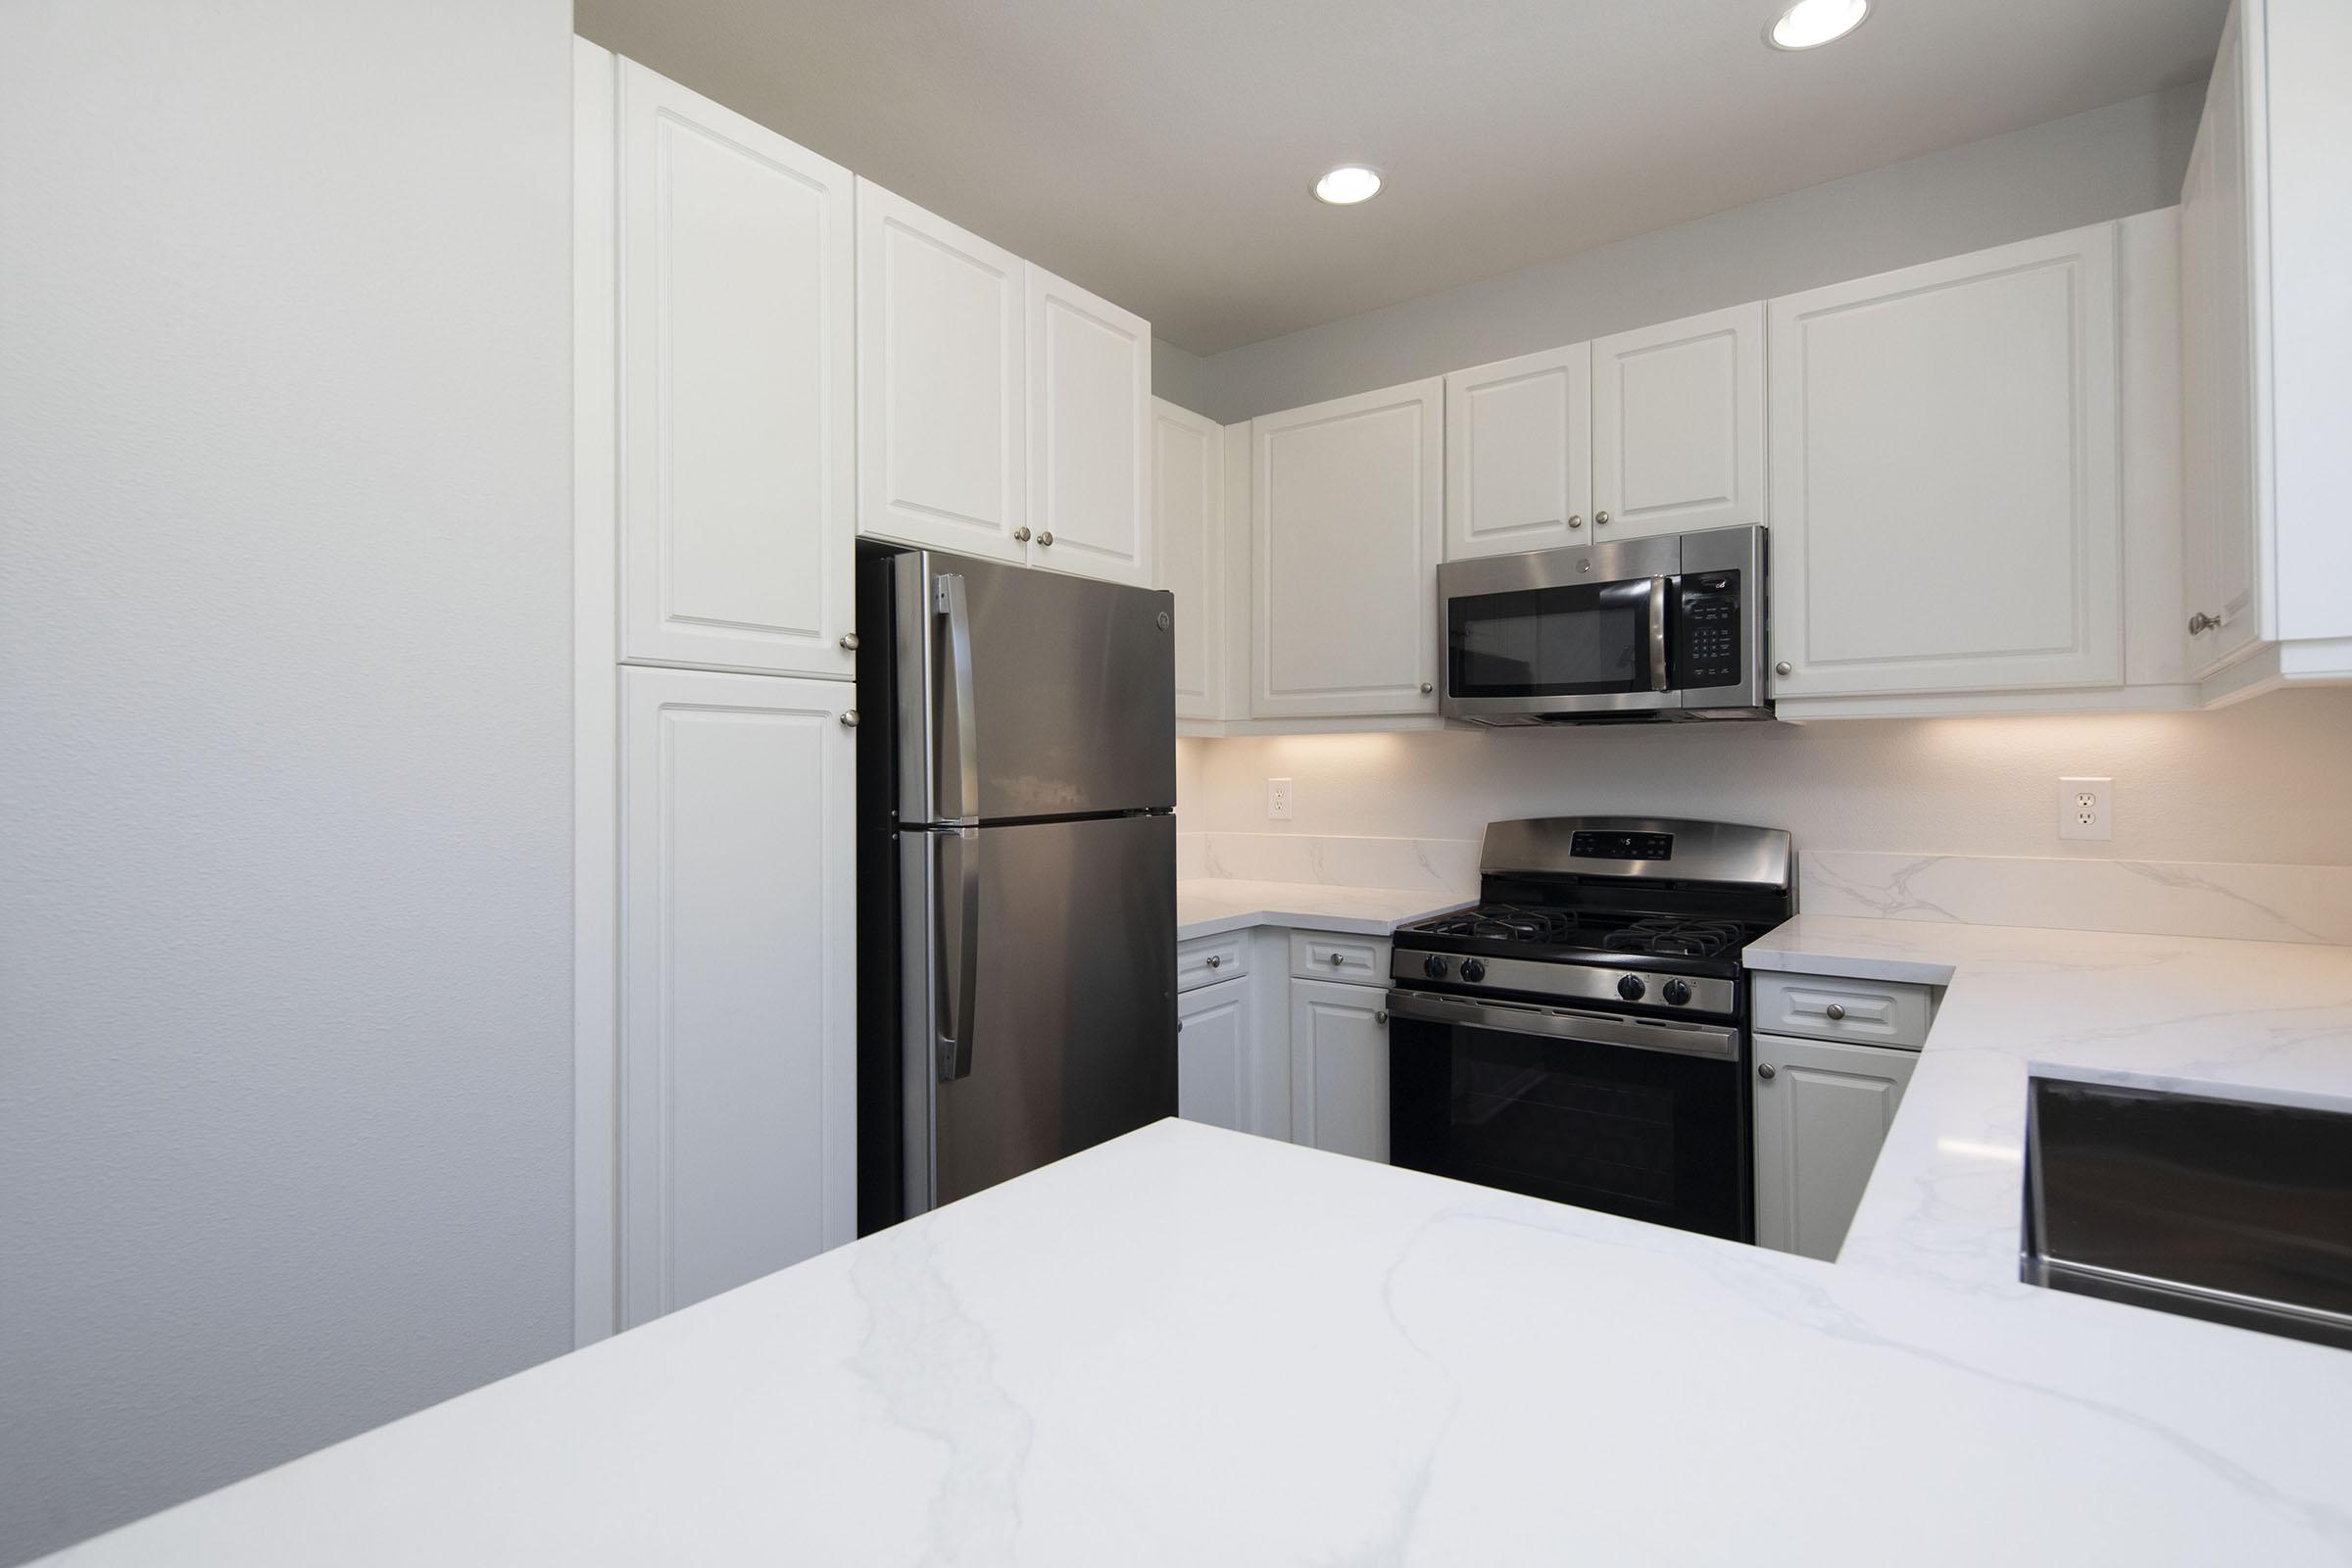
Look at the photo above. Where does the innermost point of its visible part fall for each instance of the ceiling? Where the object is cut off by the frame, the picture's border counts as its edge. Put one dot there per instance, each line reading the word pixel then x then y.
pixel 1159 152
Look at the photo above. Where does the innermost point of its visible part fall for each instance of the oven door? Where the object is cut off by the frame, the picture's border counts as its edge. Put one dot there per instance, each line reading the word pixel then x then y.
pixel 1561 632
pixel 1633 1116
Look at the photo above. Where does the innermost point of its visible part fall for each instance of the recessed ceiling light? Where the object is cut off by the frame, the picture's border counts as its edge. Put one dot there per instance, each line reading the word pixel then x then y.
pixel 1348 184
pixel 1810 24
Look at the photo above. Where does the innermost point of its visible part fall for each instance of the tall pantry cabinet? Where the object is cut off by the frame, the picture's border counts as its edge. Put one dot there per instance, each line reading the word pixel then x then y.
pixel 715 519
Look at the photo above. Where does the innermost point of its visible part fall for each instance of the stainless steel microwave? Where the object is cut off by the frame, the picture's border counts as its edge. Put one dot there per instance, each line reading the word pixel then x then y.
pixel 1668 628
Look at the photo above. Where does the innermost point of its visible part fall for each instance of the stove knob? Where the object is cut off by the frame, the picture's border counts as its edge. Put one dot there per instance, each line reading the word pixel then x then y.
pixel 1676 992
pixel 1629 987
pixel 1433 966
pixel 1474 970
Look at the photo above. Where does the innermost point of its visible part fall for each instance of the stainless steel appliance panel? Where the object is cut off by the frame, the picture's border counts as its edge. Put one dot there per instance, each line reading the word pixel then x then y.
pixel 1045 1023
pixel 1026 693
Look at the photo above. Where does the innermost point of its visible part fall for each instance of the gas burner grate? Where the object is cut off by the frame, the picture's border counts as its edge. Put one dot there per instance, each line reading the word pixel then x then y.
pixel 1664 936
pixel 1506 922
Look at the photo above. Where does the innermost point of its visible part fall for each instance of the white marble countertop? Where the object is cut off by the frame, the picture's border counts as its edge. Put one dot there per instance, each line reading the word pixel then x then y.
pixel 2266 1020
pixel 1208 905
pixel 1190 1346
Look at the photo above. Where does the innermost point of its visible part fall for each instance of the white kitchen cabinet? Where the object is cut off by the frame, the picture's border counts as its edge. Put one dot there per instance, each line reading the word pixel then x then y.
pixel 1340 1067
pixel 1519 454
pixel 1944 477
pixel 1346 502
pixel 943 456
pixel 738 494
pixel 2266 224
pixel 1188 522
pixel 1678 425
pixel 1090 433
pixel 737 1045
pixel 1217 1052
pixel 1822 1111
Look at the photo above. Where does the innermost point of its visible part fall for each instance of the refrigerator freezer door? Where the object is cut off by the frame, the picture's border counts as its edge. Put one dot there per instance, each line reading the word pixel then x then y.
pixel 1025 693
pixel 1070 1038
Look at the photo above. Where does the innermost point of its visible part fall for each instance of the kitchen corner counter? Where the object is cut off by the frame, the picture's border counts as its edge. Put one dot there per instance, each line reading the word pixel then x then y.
pixel 1190 1346
pixel 1208 905
pixel 2257 1020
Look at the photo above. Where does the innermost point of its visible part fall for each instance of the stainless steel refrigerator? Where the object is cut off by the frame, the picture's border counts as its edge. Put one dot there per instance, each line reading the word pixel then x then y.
pixel 1016 872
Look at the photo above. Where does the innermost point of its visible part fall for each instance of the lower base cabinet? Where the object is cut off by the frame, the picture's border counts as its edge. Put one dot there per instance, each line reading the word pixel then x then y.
pixel 1822 1111
pixel 1340 1067
pixel 1215 1055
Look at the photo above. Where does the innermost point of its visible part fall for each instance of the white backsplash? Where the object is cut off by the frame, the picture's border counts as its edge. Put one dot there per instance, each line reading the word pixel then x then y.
pixel 2155 898
pixel 1445 866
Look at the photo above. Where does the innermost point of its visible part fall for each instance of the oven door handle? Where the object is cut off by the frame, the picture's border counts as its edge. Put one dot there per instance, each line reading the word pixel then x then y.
pixel 1584 1028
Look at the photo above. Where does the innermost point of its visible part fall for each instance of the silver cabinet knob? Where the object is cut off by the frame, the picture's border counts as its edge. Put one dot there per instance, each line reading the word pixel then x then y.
pixel 1781 668
pixel 1381 1017
pixel 849 719
pixel 848 642
pixel 1836 1011
pixel 1045 538
pixel 1214 960
pixel 1020 535
pixel 1427 688
pixel 1180 1026
pixel 1765 1069
pixel 1601 519
pixel 1577 522
pixel 2201 623
pixel 1337 958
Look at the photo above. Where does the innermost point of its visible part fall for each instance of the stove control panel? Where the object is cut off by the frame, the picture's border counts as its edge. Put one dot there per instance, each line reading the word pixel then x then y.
pixel 1586 845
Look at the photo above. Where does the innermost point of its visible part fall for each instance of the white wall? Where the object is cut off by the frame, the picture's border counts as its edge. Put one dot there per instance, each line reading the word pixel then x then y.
pixel 2109 163
pixel 2261 781
pixel 284 759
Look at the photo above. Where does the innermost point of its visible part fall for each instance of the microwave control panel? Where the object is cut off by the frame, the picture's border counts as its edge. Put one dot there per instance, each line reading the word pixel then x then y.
pixel 1707 631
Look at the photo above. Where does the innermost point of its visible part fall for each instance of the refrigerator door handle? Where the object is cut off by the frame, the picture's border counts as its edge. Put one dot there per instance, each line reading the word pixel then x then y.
pixel 962 762
pixel 958 901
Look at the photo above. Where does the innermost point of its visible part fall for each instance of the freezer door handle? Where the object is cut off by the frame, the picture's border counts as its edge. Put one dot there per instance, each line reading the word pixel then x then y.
pixel 957 897
pixel 959 763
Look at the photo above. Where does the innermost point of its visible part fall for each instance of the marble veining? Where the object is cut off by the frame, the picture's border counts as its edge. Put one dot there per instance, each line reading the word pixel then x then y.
pixel 2155 898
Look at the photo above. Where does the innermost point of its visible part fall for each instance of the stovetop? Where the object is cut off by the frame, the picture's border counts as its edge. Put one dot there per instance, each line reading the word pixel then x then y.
pixel 1599 932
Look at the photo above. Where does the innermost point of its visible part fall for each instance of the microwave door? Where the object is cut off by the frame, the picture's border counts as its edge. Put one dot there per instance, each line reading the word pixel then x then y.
pixel 1568 648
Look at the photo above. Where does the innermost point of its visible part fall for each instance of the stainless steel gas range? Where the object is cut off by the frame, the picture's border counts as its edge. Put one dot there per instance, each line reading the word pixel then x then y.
pixel 1581 1033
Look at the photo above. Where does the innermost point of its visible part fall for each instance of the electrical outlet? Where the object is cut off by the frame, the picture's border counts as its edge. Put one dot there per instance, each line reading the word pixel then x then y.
pixel 1278 800
pixel 2087 808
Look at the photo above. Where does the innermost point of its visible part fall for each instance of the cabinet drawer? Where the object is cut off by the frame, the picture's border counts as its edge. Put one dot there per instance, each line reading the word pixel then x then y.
pixel 1321 956
pixel 1886 1013
pixel 1205 961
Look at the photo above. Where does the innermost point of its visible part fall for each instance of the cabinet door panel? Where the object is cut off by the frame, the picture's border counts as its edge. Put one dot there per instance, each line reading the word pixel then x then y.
pixel 1519 454
pixel 737 512
pixel 1944 476
pixel 1678 425
pixel 738 1023
pixel 1188 482
pixel 941 421
pixel 1090 442
pixel 1340 1068
pixel 1348 526
pixel 1820 1120
pixel 1214 1054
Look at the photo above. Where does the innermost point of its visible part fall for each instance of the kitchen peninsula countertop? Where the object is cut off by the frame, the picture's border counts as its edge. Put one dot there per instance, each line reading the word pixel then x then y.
pixel 1193 1346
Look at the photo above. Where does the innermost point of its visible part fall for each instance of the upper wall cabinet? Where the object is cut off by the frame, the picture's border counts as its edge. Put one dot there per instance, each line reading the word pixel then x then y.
pixel 1945 460
pixel 942 429
pixel 1519 454
pixel 1090 433
pixel 2266 222
pixel 1188 520
pixel 1347 523
pixel 1678 425
pixel 736 483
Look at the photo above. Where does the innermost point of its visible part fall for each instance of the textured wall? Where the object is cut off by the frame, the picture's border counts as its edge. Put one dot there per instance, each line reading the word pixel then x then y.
pixel 2110 162
pixel 285 731
pixel 2261 781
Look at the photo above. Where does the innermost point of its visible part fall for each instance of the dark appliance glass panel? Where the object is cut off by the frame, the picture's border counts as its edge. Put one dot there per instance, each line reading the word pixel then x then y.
pixel 1550 642
pixel 1650 1135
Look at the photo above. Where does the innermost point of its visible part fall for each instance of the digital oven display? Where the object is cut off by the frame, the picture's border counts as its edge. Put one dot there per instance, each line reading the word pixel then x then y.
pixel 1588 845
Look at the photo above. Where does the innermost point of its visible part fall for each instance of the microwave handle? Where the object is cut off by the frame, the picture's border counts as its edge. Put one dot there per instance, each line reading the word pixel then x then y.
pixel 1657 634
